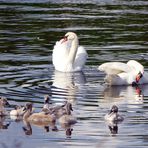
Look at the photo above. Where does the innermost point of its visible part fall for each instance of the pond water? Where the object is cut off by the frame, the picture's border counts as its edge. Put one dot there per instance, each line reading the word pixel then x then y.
pixel 110 30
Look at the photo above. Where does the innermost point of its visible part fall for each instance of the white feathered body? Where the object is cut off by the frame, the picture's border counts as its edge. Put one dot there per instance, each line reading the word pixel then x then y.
pixel 118 73
pixel 61 61
pixel 113 117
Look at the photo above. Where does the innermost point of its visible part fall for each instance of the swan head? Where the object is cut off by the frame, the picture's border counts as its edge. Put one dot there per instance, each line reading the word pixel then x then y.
pixel 114 109
pixel 113 115
pixel 47 99
pixel 139 76
pixel 4 101
pixel 138 69
pixel 137 79
pixel 28 106
pixel 69 36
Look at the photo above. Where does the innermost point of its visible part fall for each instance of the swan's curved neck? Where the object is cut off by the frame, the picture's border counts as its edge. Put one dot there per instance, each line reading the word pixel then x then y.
pixel 73 50
pixel 136 65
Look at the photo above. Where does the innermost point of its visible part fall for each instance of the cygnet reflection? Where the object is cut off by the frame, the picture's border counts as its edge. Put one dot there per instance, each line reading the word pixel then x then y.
pixel 113 127
pixel 27 128
pixel 3 124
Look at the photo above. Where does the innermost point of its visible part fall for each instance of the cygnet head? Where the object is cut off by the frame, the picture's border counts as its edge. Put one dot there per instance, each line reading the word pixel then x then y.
pixel 114 109
pixel 139 76
pixel 113 115
pixel 28 106
pixel 68 108
pixel 4 101
pixel 46 99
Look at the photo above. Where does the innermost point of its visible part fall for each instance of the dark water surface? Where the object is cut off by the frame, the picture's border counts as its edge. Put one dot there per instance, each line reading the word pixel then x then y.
pixel 110 30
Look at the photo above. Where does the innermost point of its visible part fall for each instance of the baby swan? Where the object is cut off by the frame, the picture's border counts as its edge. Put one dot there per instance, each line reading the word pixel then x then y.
pixel 57 110
pixel 3 103
pixel 17 111
pixel 60 110
pixel 40 117
pixel 67 117
pixel 113 115
pixel 46 102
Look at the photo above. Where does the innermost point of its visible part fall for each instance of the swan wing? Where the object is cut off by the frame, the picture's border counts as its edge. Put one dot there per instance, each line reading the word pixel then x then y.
pixel 62 53
pixel 114 68
pixel 59 55
pixel 80 59
pixel 59 51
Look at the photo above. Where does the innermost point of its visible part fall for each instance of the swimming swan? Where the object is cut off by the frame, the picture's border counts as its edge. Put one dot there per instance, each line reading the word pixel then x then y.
pixel 3 102
pixel 67 118
pixel 118 73
pixel 18 111
pixel 113 115
pixel 67 55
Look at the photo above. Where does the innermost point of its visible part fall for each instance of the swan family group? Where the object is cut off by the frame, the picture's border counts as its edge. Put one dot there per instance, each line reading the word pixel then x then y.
pixel 49 114
pixel 68 56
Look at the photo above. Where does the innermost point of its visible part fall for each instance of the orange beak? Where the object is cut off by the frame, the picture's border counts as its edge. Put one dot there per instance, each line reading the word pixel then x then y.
pixel 65 38
pixel 138 91
pixel 138 77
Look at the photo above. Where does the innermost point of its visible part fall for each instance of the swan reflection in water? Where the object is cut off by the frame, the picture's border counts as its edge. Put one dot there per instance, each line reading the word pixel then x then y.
pixel 27 128
pixel 113 127
pixel 68 129
pixel 3 124
pixel 65 85
pixel 121 94
pixel 132 96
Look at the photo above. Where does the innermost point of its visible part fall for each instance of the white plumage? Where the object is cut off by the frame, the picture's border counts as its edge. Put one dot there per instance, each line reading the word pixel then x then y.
pixel 67 55
pixel 118 73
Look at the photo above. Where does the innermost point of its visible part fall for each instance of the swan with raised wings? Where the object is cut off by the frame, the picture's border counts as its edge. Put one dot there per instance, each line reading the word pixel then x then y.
pixel 118 73
pixel 67 55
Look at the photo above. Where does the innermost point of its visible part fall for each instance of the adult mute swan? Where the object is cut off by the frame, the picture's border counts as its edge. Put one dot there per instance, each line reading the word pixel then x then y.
pixel 130 73
pixel 67 55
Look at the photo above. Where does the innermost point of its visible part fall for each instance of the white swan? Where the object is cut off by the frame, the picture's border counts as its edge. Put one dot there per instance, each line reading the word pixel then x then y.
pixel 67 55
pixel 118 73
